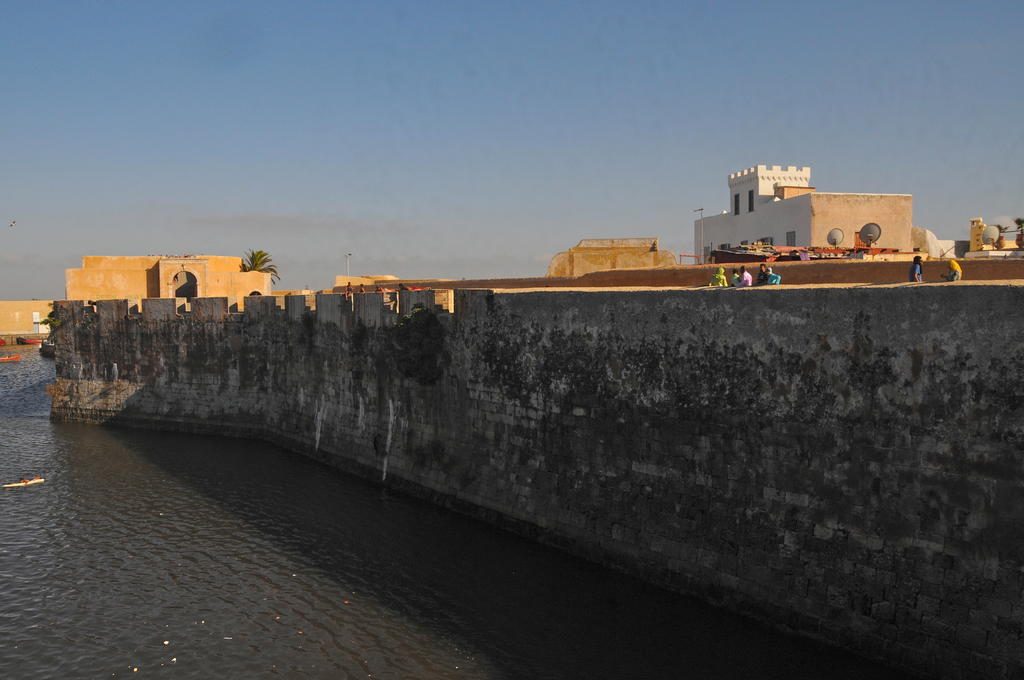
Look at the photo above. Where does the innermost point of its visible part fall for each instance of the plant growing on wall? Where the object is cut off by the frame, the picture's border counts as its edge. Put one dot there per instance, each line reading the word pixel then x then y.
pixel 51 320
pixel 419 351
pixel 260 261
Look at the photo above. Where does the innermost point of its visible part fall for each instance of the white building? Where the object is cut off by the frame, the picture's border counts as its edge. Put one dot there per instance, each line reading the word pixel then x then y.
pixel 778 205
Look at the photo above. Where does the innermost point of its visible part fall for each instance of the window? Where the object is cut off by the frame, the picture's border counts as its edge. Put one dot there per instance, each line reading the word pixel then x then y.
pixel 790 238
pixel 735 204
pixel 750 201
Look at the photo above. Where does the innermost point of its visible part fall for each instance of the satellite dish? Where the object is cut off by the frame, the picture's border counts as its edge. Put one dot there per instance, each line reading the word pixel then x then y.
pixel 870 233
pixel 835 237
pixel 989 234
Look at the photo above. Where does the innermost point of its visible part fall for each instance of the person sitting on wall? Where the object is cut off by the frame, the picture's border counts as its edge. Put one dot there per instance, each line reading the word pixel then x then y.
pixel 718 279
pixel 762 275
pixel 773 278
pixel 955 272
pixel 735 278
pixel 746 280
pixel 362 288
pixel 915 270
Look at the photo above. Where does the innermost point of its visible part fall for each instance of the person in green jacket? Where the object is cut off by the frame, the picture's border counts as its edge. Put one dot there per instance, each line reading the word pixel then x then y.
pixel 719 278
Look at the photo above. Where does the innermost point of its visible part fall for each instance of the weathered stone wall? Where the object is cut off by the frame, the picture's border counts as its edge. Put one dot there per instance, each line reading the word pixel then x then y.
pixel 845 463
pixel 602 254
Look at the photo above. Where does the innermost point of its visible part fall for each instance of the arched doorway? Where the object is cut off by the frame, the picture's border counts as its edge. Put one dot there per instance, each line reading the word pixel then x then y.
pixel 185 285
pixel 255 293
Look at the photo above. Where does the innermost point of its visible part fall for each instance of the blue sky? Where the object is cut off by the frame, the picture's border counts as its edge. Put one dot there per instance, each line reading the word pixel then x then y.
pixel 478 138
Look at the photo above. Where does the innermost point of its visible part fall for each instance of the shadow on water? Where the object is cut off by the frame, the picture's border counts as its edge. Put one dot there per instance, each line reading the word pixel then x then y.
pixel 514 608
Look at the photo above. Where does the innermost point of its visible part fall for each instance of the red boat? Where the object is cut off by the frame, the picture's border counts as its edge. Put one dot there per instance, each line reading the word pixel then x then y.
pixel 12 357
pixel 29 341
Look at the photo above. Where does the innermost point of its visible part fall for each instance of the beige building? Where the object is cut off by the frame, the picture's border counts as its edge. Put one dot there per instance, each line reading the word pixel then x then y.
pixel 778 205
pixel 104 277
pixel 23 317
pixel 598 254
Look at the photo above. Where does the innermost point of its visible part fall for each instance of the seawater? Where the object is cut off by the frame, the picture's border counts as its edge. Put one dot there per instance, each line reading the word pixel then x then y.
pixel 180 556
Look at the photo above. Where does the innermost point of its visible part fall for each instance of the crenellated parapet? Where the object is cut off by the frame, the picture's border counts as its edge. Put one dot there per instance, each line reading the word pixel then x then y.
pixel 377 309
pixel 784 172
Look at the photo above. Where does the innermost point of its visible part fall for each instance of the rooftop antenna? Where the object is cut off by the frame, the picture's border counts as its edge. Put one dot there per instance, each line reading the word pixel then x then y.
pixel 870 233
pixel 835 237
pixel 700 246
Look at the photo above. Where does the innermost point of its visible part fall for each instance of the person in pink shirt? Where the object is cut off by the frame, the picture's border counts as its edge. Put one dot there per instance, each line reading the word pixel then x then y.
pixel 746 279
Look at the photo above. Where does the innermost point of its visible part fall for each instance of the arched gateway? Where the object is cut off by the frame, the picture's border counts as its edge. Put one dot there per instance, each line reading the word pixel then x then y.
pixel 186 285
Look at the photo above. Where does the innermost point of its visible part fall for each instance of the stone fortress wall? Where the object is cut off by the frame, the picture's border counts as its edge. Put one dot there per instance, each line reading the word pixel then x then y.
pixel 844 463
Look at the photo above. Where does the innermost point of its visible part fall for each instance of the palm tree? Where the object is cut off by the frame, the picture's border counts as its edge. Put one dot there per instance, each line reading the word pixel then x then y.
pixel 259 261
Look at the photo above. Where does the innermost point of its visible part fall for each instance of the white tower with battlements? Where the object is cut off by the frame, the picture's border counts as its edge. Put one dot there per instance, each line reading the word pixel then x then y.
pixel 776 204
pixel 753 186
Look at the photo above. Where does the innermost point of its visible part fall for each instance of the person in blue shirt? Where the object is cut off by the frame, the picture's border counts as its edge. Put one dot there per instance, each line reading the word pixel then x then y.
pixel 915 270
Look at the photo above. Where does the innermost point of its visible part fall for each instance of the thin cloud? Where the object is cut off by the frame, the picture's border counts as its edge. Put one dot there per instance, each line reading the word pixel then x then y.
pixel 319 272
pixel 305 225
pixel 32 261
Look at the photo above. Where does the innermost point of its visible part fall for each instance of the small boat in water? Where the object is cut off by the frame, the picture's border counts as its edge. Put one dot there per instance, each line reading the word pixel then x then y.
pixel 24 482
pixel 48 349
pixel 29 341
pixel 11 357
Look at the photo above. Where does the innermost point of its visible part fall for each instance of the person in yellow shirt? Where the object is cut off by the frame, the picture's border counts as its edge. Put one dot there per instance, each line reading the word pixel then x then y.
pixel 955 272
pixel 719 278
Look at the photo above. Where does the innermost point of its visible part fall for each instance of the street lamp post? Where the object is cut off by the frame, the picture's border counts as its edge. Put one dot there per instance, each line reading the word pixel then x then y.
pixel 700 245
pixel 348 267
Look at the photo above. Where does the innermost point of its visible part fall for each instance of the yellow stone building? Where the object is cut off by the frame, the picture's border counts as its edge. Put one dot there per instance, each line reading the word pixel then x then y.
pixel 104 277
pixel 598 254
pixel 23 317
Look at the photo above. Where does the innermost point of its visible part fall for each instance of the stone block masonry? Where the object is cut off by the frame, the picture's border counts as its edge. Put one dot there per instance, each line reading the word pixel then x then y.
pixel 845 463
